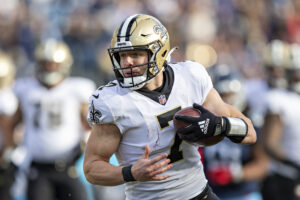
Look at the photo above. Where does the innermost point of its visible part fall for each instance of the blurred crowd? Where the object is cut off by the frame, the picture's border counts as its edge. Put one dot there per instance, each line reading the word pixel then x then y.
pixel 227 31
pixel 254 38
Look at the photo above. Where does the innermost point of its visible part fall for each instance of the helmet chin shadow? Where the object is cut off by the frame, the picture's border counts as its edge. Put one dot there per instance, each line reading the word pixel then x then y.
pixel 50 78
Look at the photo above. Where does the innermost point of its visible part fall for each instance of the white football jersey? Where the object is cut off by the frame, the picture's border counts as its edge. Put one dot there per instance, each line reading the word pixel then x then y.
pixel 51 117
pixel 145 117
pixel 287 105
pixel 8 105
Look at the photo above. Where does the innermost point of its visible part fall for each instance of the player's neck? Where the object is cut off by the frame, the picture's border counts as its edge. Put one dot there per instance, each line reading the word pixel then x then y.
pixel 156 82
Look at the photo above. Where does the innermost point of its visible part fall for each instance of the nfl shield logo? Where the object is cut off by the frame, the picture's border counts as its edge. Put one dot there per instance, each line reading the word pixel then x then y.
pixel 162 99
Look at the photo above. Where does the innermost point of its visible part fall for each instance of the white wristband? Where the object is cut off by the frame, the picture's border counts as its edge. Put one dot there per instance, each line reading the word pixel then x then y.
pixel 237 127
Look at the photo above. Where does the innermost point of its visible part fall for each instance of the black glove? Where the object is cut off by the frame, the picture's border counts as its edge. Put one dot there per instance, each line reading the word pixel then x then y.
pixel 207 125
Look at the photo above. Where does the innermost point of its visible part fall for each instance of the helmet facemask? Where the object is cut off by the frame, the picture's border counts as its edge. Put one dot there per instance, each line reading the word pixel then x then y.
pixel 293 76
pixel 50 77
pixel 134 82
pixel 276 77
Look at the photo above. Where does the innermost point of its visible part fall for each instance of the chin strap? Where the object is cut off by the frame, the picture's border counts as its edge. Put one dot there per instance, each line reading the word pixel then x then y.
pixel 168 58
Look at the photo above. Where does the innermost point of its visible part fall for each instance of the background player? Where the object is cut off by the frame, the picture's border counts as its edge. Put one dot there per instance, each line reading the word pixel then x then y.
pixel 281 129
pixel 234 171
pixel 8 105
pixel 53 108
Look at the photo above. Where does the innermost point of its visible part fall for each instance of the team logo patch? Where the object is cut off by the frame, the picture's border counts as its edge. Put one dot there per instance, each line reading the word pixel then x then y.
pixel 162 99
pixel 95 114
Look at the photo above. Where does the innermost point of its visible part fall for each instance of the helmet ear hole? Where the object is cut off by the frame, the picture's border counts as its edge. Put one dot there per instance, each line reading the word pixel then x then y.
pixel 164 53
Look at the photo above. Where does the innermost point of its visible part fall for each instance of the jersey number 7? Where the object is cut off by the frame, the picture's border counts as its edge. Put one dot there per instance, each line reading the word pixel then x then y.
pixel 163 120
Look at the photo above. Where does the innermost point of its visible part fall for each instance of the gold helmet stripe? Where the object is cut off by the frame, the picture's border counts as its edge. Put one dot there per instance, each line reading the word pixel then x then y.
pixel 124 31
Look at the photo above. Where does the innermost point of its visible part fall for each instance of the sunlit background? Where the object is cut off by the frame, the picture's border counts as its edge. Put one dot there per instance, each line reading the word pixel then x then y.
pixel 208 31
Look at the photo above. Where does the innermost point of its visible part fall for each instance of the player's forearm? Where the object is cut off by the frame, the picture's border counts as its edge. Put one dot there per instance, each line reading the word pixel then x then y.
pixel 103 173
pixel 7 131
pixel 255 171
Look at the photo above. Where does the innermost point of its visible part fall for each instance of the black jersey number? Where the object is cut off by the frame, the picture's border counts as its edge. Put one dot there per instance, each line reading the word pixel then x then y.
pixel 163 119
pixel 37 115
pixel 53 113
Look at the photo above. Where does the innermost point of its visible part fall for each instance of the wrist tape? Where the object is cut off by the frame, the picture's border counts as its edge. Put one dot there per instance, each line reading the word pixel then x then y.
pixel 127 175
pixel 236 129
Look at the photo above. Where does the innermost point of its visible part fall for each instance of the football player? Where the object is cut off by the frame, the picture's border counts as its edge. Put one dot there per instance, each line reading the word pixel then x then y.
pixel 8 105
pixel 53 108
pixel 281 133
pixel 132 117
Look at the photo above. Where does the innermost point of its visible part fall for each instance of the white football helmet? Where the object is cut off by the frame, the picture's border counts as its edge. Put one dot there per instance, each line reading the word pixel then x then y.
pixel 54 52
pixel 7 70
pixel 140 32
pixel 276 60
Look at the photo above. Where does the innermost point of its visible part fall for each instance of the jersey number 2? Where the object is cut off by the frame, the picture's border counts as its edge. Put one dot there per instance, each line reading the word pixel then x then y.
pixel 163 120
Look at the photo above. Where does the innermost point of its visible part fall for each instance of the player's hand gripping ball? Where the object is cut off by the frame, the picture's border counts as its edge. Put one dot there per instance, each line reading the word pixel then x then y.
pixel 192 130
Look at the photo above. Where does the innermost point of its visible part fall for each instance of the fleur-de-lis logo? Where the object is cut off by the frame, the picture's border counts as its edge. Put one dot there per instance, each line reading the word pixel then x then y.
pixel 94 114
pixel 160 30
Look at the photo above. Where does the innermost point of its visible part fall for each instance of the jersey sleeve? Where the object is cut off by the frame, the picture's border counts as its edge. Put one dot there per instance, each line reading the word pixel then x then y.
pixel 8 102
pixel 19 87
pixel 274 106
pixel 100 111
pixel 84 88
pixel 200 78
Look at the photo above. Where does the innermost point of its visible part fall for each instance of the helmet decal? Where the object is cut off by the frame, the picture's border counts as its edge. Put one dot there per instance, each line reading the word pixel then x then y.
pixel 124 30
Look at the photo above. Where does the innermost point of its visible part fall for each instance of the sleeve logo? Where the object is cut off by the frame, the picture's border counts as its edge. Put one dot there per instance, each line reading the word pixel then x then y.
pixel 94 114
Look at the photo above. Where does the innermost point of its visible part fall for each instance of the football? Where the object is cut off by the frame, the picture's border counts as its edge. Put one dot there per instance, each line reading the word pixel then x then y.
pixel 190 111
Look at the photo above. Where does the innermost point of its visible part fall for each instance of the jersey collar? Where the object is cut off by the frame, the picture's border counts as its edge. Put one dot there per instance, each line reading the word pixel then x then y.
pixel 161 94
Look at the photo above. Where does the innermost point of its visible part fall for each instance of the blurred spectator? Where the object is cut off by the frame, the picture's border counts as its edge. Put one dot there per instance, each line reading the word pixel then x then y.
pixel 237 30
